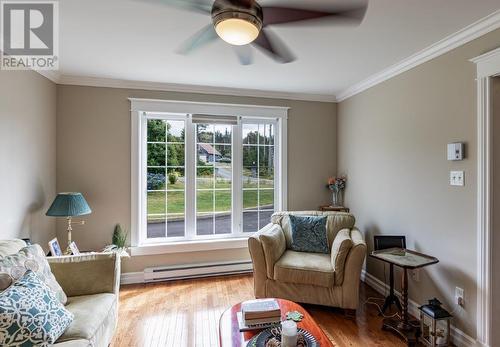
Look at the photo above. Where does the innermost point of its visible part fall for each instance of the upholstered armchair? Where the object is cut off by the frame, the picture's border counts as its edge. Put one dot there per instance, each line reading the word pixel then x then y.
pixel 312 278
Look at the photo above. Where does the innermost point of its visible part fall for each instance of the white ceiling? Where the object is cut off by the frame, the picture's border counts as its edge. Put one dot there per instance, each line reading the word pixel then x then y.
pixel 134 40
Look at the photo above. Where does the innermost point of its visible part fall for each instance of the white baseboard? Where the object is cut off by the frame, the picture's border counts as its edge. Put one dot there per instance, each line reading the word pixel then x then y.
pixel 166 273
pixel 458 337
pixel 132 278
pixel 176 272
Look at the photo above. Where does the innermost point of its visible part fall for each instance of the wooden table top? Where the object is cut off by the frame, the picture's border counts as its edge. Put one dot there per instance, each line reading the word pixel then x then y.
pixel 404 258
pixel 334 208
pixel 230 335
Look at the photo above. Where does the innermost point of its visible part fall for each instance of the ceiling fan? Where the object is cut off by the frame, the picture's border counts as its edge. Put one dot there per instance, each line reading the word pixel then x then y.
pixel 244 22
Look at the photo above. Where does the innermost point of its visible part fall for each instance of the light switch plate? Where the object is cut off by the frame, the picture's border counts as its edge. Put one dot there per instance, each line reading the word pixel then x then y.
pixel 457 178
pixel 456 151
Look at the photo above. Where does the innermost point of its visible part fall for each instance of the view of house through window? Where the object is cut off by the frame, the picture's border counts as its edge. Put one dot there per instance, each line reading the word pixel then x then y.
pixel 213 179
pixel 191 194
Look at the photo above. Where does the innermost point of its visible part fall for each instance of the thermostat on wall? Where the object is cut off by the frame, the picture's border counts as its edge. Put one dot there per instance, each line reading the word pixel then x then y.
pixel 456 151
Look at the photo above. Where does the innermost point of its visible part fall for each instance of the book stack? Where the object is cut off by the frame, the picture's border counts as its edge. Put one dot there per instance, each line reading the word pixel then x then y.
pixel 259 314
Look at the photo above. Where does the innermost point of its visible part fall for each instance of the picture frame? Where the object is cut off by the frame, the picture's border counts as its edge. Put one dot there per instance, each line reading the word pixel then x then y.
pixel 55 248
pixel 74 249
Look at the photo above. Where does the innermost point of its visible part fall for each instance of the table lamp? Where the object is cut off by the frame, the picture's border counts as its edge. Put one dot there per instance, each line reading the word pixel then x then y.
pixel 69 205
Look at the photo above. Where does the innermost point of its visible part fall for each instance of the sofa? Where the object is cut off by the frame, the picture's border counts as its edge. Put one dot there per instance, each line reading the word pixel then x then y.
pixel 307 277
pixel 91 283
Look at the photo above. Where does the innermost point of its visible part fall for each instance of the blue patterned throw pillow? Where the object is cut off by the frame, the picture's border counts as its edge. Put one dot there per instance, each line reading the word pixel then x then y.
pixel 30 314
pixel 309 234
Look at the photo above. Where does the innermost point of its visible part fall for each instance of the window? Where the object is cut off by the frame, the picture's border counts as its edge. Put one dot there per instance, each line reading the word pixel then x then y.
pixel 214 175
pixel 165 178
pixel 201 177
pixel 258 175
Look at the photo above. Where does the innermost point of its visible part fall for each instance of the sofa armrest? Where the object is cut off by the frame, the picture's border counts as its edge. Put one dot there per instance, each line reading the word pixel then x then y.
pixel 87 274
pixel 352 270
pixel 266 246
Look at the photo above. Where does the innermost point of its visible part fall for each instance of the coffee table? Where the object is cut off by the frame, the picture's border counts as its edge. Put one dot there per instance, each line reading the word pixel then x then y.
pixel 230 335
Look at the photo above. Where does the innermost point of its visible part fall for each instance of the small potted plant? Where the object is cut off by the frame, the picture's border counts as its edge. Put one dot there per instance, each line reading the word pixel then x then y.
pixel 118 241
pixel 337 186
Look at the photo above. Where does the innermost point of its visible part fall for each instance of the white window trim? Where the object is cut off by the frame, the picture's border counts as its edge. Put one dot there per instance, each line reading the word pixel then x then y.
pixel 138 106
pixel 190 107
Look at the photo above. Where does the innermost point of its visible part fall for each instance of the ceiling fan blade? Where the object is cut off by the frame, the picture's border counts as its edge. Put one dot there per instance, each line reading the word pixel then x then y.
pixel 198 40
pixel 244 54
pixel 270 44
pixel 201 6
pixel 352 14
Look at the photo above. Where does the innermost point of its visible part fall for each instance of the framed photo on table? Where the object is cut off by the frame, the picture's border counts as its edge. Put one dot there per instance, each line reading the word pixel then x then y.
pixel 54 247
pixel 74 249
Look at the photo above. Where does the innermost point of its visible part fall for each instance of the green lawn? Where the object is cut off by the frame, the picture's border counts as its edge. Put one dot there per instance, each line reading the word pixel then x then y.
pixel 204 201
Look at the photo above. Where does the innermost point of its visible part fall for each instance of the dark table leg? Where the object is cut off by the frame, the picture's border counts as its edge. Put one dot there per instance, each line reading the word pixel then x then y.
pixel 404 294
pixel 403 326
pixel 392 298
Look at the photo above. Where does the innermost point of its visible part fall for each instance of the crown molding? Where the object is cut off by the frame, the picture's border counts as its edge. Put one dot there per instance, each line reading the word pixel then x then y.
pixel 186 88
pixel 461 37
pixel 52 75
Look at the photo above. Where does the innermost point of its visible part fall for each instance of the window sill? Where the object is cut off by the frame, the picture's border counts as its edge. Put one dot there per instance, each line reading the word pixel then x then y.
pixel 190 246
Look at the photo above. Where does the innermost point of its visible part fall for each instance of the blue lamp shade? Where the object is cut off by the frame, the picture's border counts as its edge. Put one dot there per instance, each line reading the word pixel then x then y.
pixel 68 205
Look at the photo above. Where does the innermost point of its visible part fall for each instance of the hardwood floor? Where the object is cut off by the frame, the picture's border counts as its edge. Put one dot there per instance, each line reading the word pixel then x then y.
pixel 186 313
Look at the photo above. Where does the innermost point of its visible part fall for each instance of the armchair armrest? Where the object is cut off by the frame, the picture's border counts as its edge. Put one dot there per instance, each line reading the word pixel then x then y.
pixel 266 246
pixel 341 247
pixel 352 270
pixel 274 245
pixel 87 274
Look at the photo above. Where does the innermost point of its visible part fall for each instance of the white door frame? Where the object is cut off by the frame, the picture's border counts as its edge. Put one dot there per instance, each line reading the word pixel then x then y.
pixel 487 65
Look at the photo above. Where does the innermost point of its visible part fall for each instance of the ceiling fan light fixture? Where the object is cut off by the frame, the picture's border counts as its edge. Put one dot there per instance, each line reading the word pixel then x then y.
pixel 237 31
pixel 237 23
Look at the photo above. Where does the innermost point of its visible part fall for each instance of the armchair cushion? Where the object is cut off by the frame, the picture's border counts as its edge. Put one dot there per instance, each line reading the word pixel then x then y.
pixel 336 221
pixel 305 268
pixel 309 234
pixel 340 249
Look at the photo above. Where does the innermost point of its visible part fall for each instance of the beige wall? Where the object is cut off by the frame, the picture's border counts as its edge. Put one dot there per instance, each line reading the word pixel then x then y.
pixel 392 145
pixel 27 154
pixel 93 152
pixel 495 99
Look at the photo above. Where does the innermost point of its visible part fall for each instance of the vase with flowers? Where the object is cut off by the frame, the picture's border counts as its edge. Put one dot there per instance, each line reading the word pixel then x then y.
pixel 337 186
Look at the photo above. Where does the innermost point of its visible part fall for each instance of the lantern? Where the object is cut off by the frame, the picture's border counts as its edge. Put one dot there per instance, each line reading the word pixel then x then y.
pixel 435 324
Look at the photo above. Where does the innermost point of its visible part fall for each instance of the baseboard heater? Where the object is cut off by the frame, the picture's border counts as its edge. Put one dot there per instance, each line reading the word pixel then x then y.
pixel 176 272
